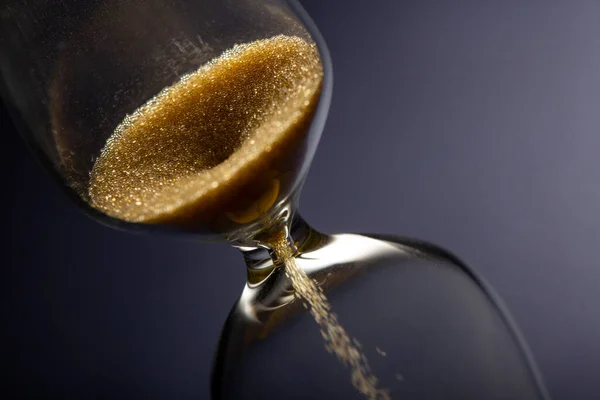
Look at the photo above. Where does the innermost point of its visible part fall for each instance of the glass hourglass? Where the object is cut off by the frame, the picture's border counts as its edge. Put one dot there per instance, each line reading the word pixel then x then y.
pixel 398 318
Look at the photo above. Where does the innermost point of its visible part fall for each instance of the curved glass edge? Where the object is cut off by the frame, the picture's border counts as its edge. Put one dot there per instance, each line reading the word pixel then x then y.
pixel 493 296
pixel 318 123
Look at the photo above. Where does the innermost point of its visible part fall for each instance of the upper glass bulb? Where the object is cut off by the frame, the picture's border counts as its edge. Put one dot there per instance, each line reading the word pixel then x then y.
pixel 154 117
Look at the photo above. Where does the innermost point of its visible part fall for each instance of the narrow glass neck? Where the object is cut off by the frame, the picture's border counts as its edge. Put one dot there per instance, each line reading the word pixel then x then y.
pixel 258 251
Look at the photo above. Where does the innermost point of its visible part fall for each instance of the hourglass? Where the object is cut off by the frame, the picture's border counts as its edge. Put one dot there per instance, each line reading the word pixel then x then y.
pixel 201 118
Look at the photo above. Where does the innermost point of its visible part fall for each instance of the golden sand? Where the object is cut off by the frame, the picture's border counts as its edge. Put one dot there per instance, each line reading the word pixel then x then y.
pixel 337 340
pixel 188 151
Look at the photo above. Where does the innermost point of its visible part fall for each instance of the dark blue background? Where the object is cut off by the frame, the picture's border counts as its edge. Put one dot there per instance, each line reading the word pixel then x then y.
pixel 471 124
